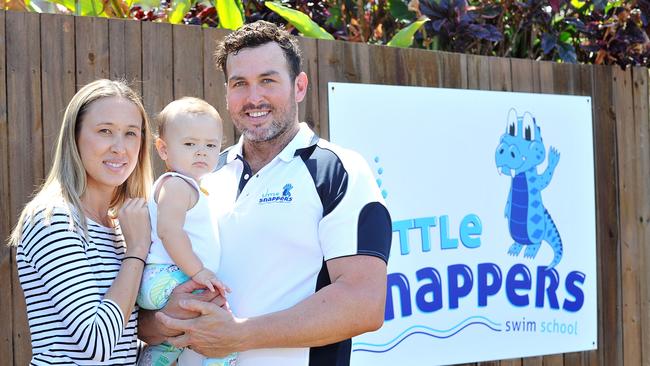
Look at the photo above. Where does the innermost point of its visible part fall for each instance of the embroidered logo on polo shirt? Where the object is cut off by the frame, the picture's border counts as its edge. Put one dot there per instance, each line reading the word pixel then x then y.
pixel 278 197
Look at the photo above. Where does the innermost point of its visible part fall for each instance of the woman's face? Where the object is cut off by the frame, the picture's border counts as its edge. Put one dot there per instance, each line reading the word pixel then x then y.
pixel 109 142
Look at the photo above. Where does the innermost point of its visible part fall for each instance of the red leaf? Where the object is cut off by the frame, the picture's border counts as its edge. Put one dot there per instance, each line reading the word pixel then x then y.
pixel 555 5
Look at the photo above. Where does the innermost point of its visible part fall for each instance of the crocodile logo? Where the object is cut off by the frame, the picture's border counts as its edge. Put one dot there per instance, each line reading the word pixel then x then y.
pixel 518 154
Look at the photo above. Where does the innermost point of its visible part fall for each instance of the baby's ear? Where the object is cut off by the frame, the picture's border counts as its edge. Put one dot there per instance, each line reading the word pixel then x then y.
pixel 161 147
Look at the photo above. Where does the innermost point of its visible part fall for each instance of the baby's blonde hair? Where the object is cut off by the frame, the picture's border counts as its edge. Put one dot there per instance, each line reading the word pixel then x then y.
pixel 185 105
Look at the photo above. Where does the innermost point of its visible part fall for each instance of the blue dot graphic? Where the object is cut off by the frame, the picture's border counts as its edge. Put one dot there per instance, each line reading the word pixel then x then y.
pixel 379 181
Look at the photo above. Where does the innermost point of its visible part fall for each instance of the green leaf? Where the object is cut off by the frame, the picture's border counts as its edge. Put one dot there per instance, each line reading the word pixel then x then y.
pixel 564 36
pixel 404 38
pixel 599 4
pixel 334 19
pixel 578 4
pixel 93 8
pixel 400 11
pixel 230 14
pixel 181 7
pixel 301 21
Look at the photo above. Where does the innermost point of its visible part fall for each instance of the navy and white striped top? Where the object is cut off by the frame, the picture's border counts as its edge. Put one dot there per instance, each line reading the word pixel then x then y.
pixel 64 278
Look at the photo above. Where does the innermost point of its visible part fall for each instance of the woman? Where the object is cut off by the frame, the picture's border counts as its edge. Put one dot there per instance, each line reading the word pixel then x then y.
pixel 79 267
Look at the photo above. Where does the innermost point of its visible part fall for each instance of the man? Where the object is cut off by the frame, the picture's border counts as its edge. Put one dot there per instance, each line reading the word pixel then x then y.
pixel 304 232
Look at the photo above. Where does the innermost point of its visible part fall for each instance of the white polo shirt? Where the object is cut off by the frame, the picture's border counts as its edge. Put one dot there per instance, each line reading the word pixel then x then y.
pixel 313 202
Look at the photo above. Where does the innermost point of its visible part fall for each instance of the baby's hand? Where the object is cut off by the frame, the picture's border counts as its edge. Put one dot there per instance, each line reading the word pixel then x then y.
pixel 208 279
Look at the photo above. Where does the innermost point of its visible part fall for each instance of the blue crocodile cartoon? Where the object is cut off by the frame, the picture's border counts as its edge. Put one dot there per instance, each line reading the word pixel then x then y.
pixel 520 151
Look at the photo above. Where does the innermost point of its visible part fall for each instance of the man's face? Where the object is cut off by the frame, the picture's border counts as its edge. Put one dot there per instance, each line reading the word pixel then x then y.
pixel 262 98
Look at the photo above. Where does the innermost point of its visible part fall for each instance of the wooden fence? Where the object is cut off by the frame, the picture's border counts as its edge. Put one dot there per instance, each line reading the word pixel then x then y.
pixel 45 58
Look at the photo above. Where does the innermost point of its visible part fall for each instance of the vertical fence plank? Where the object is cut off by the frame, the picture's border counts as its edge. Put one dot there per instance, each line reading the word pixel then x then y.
pixel 629 201
pixel 25 143
pixel 341 62
pixel 58 77
pixel 610 341
pixel 565 79
pixel 383 72
pixel 406 67
pixel 500 77
pixel 574 359
pixel 553 360
pixel 6 334
pixel 453 70
pixel 427 68
pixel 214 91
pixel 187 61
pixel 308 109
pixel 642 130
pixel 642 218
pixel 125 52
pixel 488 363
pixel 533 361
pixel 546 77
pixel 157 74
pixel 91 41
pixel 478 72
pixel 522 75
pixel 593 358
pixel 510 362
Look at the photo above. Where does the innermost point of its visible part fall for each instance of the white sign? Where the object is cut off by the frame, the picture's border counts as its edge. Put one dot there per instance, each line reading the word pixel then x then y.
pixel 493 206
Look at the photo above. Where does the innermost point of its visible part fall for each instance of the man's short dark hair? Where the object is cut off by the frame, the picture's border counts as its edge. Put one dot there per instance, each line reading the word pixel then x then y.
pixel 257 34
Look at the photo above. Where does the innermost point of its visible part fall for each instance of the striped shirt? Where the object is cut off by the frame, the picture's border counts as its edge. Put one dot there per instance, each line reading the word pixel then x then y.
pixel 64 278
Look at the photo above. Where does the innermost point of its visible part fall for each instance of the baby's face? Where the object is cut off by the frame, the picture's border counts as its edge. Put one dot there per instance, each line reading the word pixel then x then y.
pixel 191 144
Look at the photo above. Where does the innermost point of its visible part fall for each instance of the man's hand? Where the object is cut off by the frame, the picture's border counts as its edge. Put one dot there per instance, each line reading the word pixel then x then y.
pixel 214 333
pixel 153 331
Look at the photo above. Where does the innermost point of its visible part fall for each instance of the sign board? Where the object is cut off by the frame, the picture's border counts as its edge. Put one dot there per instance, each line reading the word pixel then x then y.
pixel 493 206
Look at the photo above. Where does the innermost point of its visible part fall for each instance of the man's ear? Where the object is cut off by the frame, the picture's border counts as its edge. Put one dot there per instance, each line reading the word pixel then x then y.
pixel 161 147
pixel 300 86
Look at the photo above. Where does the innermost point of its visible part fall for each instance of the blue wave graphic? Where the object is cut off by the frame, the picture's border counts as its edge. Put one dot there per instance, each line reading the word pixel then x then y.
pixel 429 332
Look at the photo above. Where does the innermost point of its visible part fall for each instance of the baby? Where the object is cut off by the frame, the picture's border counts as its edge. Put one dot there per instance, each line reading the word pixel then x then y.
pixel 185 238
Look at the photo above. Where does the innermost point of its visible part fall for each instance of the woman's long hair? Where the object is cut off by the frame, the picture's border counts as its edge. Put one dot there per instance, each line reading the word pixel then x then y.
pixel 67 182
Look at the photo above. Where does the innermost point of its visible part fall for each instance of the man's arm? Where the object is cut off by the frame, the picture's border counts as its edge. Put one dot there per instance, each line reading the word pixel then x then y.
pixel 352 304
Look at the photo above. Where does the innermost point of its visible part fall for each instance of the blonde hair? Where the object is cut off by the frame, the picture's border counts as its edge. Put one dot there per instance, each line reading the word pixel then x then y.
pixel 185 105
pixel 66 182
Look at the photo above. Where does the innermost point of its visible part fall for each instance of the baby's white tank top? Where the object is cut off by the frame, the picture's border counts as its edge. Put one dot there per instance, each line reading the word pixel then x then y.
pixel 200 226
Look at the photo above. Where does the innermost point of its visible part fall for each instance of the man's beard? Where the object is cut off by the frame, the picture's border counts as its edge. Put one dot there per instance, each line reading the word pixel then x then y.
pixel 280 124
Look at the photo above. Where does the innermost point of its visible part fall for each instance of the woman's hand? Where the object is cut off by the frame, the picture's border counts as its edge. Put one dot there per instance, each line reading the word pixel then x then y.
pixel 136 228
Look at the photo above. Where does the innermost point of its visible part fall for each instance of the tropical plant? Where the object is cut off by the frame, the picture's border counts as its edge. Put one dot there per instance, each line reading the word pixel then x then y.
pixel 590 31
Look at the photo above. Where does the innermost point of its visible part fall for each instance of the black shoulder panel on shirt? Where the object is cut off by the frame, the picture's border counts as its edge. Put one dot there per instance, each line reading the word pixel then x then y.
pixel 328 173
pixel 223 159
pixel 374 231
